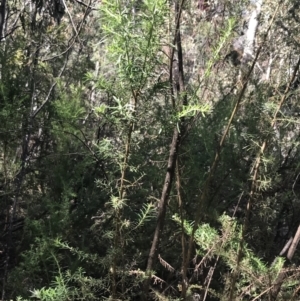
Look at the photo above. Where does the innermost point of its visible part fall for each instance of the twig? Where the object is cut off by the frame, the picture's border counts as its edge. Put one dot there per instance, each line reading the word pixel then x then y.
pixel 34 114
pixel 74 39
pixel 86 5
pixel 68 12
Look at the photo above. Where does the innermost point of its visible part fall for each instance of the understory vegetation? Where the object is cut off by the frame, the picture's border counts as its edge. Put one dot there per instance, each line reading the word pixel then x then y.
pixel 149 150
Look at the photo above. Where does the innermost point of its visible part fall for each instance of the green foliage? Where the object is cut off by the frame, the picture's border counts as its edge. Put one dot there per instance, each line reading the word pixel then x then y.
pixel 77 220
pixel 69 107
pixel 192 110
pixel 67 286
pixel 134 38
pixel 146 214
pixel 225 245
pixel 225 35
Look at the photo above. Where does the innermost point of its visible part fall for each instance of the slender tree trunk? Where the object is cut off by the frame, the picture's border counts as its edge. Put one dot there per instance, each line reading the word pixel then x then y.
pixel 2 18
pixel 282 275
pixel 163 205
pixel 177 136
pixel 251 32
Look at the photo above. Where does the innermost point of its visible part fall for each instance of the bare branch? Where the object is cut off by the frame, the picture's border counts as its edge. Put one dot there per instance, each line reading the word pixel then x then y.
pixel 165 264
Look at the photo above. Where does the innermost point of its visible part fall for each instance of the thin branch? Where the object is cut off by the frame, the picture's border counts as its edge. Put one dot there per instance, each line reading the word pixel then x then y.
pixel 165 264
pixel 86 5
pixel 14 27
pixel 71 19
pixel 73 38
pixel 34 114
pixel 293 187
pixel 294 244
pixel 85 143
pixel 286 246
pixel 180 205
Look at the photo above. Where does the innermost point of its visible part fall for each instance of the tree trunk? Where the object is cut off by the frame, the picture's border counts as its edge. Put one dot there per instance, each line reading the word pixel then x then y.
pixel 2 18
pixel 176 140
